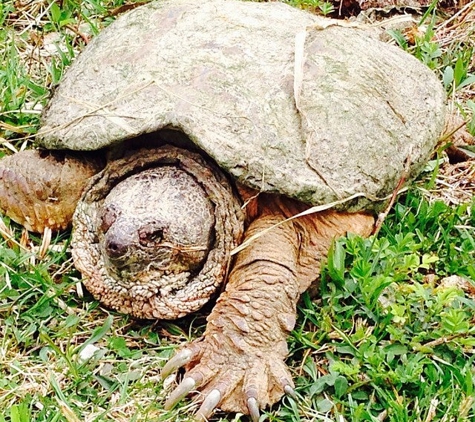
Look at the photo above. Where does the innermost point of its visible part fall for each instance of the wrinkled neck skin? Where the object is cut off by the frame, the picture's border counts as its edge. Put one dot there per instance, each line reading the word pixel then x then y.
pixel 154 231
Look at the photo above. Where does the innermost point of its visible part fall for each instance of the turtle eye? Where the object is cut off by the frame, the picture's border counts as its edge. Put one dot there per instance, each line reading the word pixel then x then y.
pixel 109 215
pixel 149 238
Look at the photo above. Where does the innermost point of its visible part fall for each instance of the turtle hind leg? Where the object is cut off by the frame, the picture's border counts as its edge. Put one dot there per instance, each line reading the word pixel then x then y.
pixel 40 189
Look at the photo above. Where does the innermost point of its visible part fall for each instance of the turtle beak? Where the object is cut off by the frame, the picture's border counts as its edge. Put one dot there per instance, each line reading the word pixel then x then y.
pixel 117 245
pixel 115 248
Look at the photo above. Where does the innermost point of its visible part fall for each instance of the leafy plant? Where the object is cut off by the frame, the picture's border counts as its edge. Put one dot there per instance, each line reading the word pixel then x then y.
pixel 386 338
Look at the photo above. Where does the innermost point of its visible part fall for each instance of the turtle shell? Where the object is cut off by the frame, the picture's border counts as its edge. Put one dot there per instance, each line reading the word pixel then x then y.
pixel 283 100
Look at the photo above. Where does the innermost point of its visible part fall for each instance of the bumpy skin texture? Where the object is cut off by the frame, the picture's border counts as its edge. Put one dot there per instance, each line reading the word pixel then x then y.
pixel 242 353
pixel 153 237
pixel 40 189
pixel 154 231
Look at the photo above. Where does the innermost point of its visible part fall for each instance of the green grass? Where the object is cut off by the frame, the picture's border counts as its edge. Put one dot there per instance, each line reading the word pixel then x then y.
pixel 384 336
pixel 387 335
pixel 388 338
pixel 47 325
pixel 38 40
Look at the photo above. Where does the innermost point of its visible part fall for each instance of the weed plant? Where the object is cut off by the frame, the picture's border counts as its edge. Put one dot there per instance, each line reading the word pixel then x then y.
pixel 392 339
pixel 390 335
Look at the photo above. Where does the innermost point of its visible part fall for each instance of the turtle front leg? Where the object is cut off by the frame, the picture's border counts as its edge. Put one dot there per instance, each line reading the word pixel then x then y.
pixel 239 365
pixel 40 189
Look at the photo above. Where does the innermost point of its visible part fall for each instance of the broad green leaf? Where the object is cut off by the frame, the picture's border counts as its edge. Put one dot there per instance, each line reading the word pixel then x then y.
pixel 336 262
pixel 341 386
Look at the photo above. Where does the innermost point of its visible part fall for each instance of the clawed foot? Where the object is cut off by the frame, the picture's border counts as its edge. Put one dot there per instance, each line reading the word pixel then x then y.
pixel 233 379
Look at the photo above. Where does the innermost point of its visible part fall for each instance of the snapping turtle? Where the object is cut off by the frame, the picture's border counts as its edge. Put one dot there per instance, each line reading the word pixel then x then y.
pixel 219 122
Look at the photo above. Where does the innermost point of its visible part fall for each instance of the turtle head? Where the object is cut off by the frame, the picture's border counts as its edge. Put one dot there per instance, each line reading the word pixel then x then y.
pixel 159 219
pixel 153 232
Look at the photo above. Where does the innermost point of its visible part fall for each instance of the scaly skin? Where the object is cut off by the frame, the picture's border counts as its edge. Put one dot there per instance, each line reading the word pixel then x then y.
pixel 154 231
pixel 40 189
pixel 239 364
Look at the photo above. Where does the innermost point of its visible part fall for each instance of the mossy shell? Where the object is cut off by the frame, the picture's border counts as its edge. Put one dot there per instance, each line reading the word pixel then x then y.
pixel 283 100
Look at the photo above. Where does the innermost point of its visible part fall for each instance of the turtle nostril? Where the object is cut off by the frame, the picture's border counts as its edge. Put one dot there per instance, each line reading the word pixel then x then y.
pixel 115 248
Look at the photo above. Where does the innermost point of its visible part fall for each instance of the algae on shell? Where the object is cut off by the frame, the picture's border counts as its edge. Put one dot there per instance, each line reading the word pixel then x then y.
pixel 223 72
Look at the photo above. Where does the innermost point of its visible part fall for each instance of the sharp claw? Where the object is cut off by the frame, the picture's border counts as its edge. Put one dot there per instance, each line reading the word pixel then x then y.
pixel 178 393
pixel 177 361
pixel 253 409
pixel 208 405
pixel 290 392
